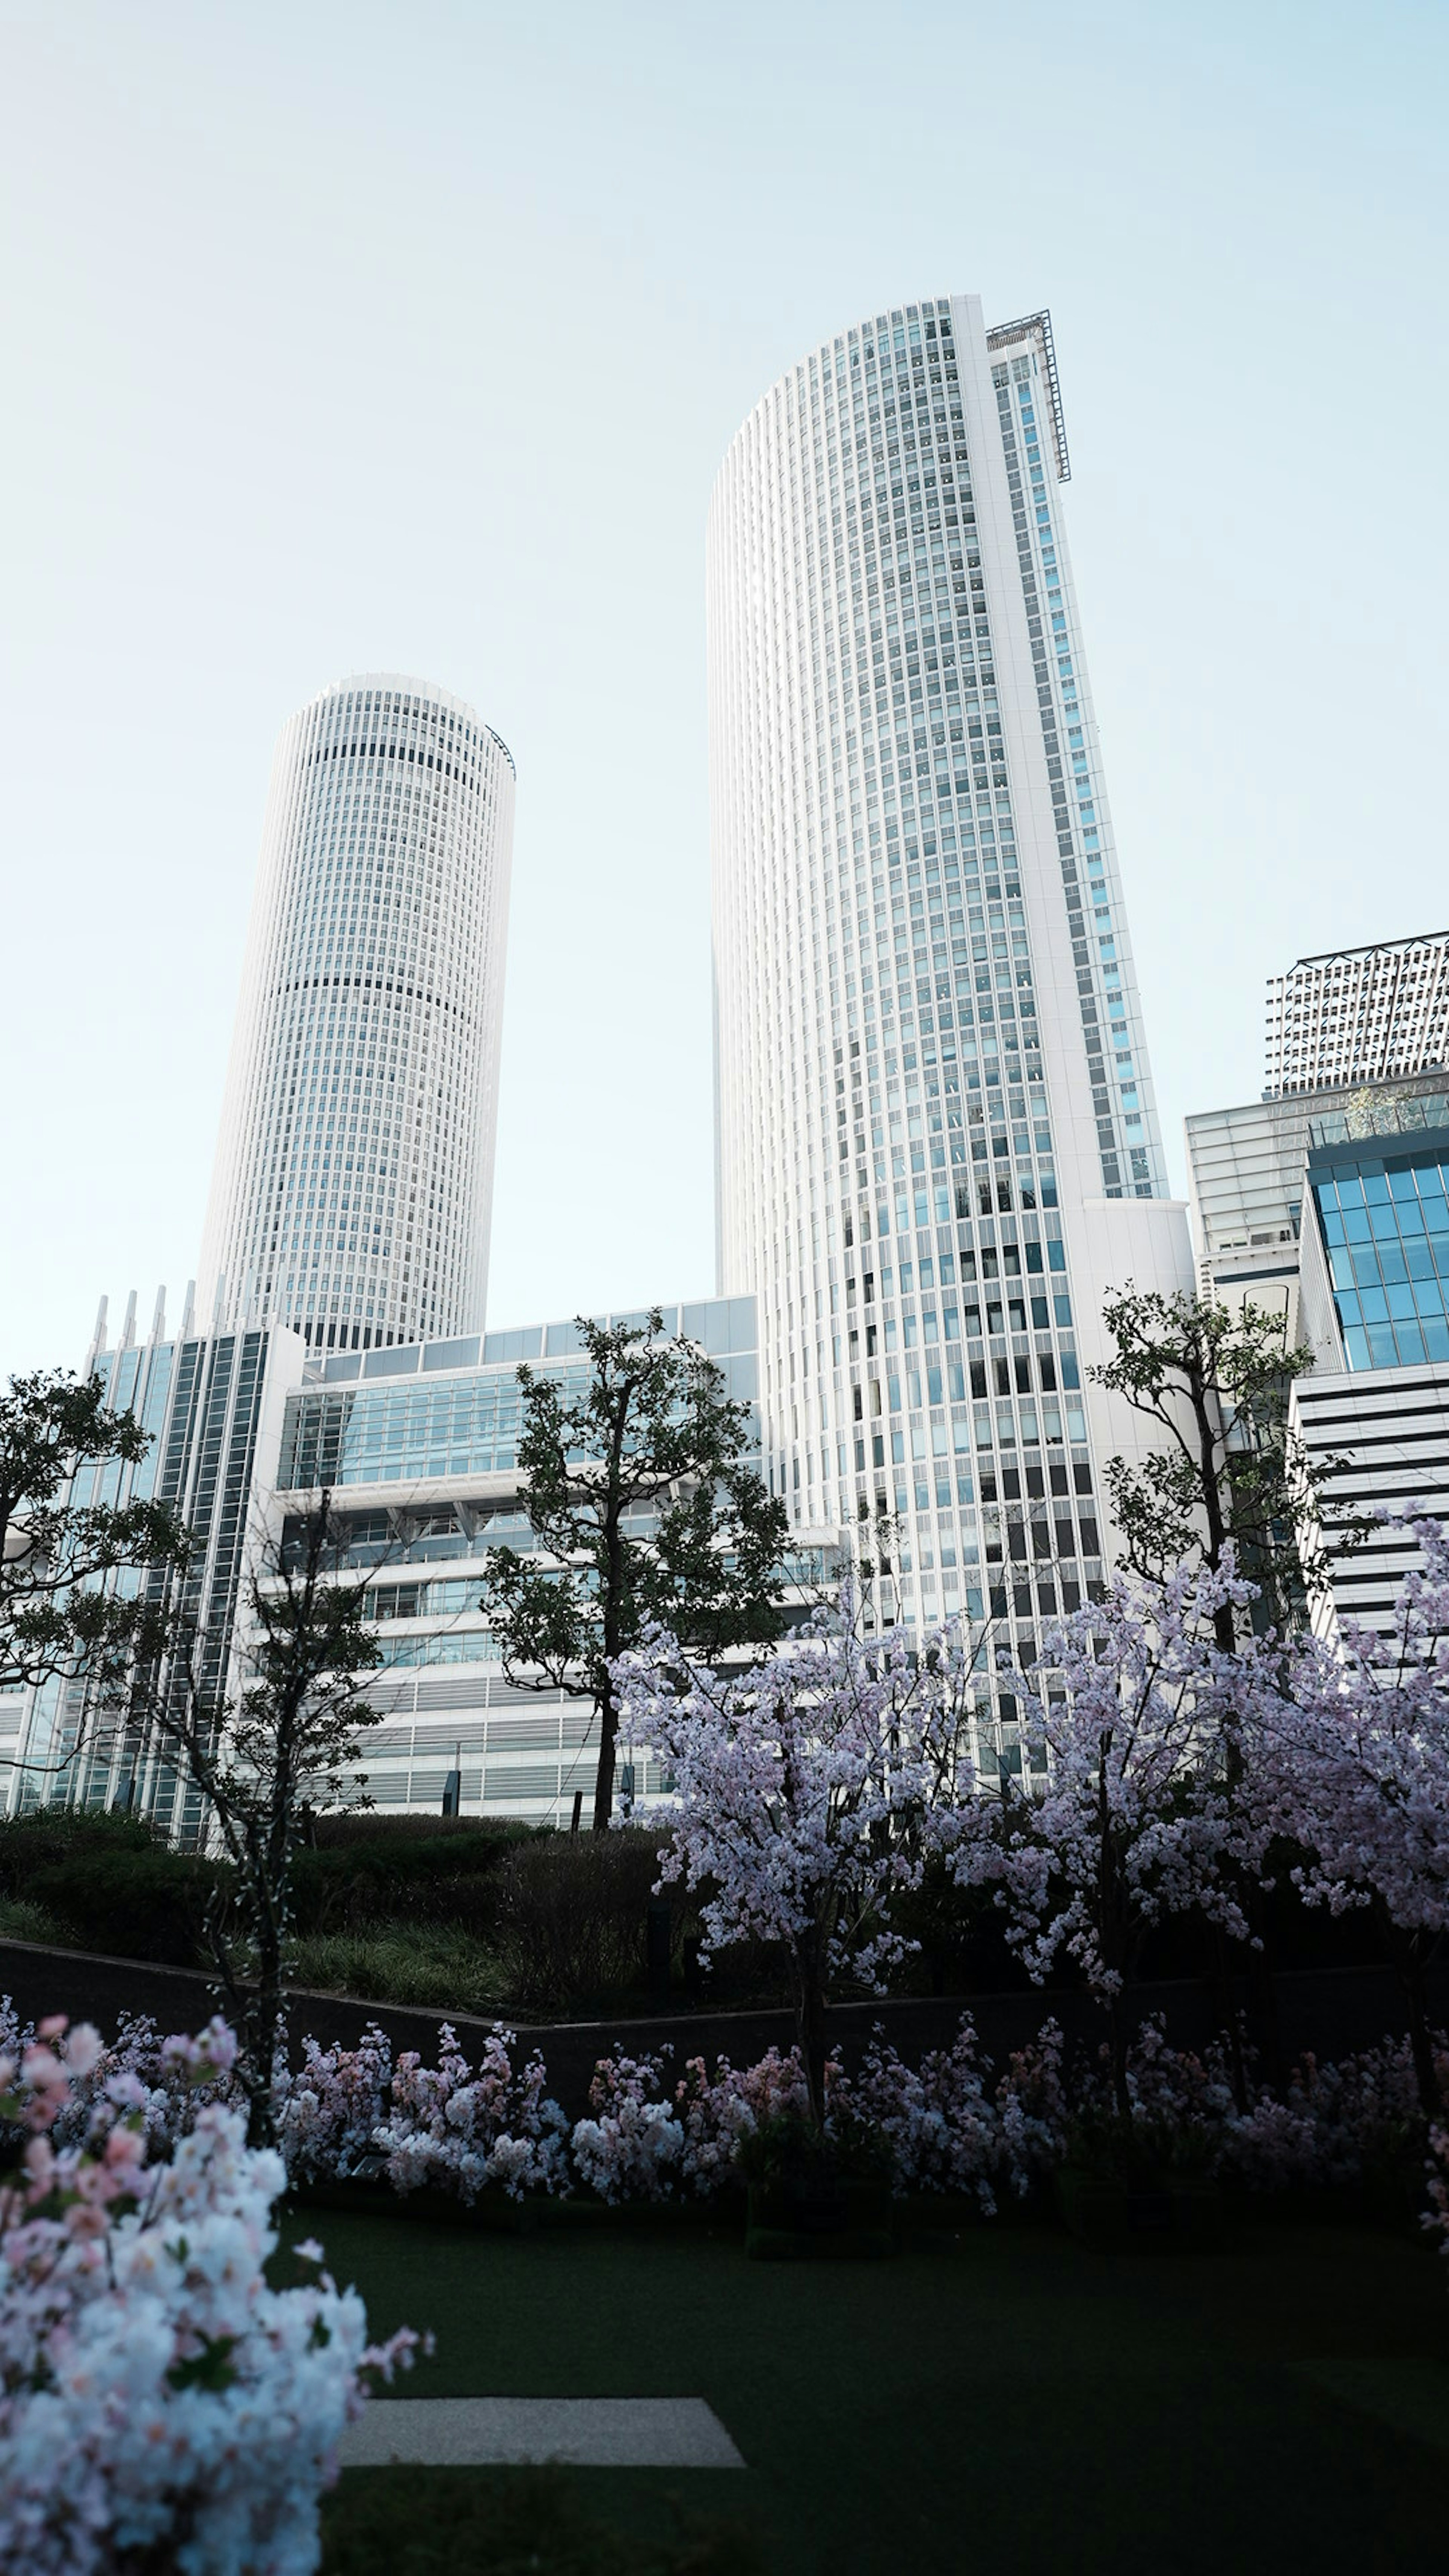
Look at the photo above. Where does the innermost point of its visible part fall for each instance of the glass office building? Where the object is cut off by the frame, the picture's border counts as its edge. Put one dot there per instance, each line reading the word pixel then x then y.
pixel 353 1187
pixel 1248 1177
pixel 936 1142
pixel 419 1448
pixel 418 1445
pixel 1383 1218
pixel 213 1407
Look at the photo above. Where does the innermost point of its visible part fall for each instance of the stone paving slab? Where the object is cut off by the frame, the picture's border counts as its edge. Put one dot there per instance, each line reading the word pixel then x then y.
pixel 587 2432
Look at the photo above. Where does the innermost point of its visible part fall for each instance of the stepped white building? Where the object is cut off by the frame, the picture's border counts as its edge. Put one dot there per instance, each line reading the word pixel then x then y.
pixel 936 1139
pixel 353 1187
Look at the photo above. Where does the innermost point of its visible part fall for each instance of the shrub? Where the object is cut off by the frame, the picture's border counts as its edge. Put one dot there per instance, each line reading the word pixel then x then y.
pixel 106 1882
pixel 388 1831
pixel 571 1915
pixel 141 1904
pixel 20 1920
pixel 448 1876
pixel 56 1834
pixel 403 1963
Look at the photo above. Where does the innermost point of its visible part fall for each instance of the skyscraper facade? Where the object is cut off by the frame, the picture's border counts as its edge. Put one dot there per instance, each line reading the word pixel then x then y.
pixel 353 1186
pixel 936 1143
pixel 1359 1015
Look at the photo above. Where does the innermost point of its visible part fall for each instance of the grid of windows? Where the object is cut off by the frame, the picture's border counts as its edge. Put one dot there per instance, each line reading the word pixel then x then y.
pixel 1359 1015
pixel 894 1125
pixel 203 1402
pixel 1385 1227
pixel 354 1175
pixel 460 1420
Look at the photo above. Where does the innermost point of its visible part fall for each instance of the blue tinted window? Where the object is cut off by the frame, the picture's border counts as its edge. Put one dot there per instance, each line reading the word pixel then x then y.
pixel 1387 1235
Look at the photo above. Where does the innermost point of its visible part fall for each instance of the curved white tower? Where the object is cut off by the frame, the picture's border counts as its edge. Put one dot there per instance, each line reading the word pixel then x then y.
pixel 936 1140
pixel 354 1175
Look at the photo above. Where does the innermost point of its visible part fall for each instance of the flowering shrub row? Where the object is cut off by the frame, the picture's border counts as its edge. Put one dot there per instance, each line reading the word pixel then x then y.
pixel 158 2399
pixel 650 2135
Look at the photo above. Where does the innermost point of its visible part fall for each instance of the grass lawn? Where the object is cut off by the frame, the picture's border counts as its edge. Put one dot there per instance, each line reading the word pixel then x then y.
pixel 1004 2399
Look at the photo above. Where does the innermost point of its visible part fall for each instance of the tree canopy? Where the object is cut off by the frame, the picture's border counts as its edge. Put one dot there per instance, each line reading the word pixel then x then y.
pixel 61 1613
pixel 1229 1478
pixel 645 1514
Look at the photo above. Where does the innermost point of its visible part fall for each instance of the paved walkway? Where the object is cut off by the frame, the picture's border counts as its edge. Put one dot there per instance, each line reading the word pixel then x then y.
pixel 589 2432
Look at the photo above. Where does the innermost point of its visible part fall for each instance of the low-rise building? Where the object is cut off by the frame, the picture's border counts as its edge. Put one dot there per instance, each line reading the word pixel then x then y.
pixel 417 1446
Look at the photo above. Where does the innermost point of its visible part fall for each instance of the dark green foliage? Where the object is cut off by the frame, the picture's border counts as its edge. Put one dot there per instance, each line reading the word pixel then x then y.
pixel 502 1918
pixel 447 1877
pixel 571 1915
pixel 108 1883
pixel 513 2522
pixel 645 1515
pixel 961 1933
pixel 286 1742
pixel 133 1905
pixel 1217 1382
pixel 56 1615
pixel 390 1828
pixel 789 2148
pixel 50 1834
pixel 1143 2151
pixel 406 1962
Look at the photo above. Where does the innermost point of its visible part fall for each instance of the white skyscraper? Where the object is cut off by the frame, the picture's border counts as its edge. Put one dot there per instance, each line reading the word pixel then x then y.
pixel 354 1175
pixel 936 1139
pixel 1359 1015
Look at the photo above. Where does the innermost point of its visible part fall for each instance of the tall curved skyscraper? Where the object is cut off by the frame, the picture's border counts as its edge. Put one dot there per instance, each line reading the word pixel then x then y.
pixel 354 1175
pixel 936 1139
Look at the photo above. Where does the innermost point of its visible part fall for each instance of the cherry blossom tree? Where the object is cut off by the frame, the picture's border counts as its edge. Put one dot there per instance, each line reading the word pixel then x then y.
pixel 1351 1764
pixel 808 1789
pixel 1126 1814
pixel 161 2404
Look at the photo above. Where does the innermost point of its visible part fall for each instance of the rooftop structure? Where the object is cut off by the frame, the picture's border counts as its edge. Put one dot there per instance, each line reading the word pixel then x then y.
pixel 1359 1015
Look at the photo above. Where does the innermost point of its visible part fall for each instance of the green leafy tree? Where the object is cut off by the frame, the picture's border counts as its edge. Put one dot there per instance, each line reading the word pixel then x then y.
pixel 285 1741
pixel 1229 1474
pixel 645 1515
pixel 62 1611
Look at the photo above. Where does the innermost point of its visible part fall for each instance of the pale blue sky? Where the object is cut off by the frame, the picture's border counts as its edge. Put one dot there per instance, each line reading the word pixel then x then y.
pixel 410 337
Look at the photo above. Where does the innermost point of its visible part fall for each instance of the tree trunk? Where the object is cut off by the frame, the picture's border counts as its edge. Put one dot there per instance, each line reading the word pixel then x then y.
pixel 267 2012
pixel 1412 1961
pixel 810 2029
pixel 604 1784
pixel 1117 2036
pixel 1220 1983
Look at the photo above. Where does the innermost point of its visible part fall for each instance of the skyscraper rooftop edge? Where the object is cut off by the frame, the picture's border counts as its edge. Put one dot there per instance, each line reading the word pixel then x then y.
pixel 999 335
pixel 409 682
pixel 1368 948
